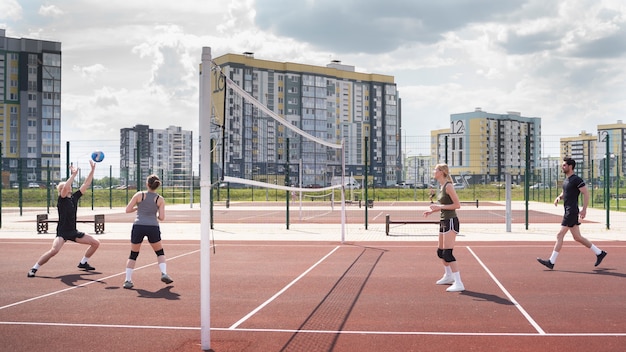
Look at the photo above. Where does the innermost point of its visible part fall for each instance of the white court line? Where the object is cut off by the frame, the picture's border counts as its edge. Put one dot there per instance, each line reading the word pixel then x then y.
pixel 318 215
pixel 517 305
pixel 332 332
pixel 234 326
pixel 101 280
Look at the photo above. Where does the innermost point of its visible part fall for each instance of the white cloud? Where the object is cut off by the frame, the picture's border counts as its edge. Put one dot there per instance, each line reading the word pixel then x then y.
pixel 136 62
pixel 10 10
pixel 50 11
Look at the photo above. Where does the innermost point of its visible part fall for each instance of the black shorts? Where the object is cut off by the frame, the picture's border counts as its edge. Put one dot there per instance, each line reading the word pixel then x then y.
pixel 570 219
pixel 71 235
pixel 140 231
pixel 449 224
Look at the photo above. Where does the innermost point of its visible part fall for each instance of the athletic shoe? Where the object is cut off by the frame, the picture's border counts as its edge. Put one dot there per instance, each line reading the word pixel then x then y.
pixel 165 278
pixel 457 286
pixel 128 284
pixel 547 263
pixel 86 266
pixel 445 280
pixel 600 257
pixel 31 272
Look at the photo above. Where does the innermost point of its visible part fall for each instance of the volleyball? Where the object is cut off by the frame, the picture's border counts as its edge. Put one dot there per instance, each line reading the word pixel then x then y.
pixel 97 156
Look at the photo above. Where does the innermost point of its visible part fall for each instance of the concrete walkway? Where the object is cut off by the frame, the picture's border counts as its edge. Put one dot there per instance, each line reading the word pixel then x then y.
pixel 21 226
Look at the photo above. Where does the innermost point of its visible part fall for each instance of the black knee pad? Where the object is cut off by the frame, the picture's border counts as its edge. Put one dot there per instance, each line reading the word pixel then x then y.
pixel 440 253
pixel 133 255
pixel 160 252
pixel 447 256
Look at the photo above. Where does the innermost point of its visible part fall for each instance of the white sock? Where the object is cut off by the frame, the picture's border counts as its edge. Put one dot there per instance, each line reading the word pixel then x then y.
pixel 457 277
pixel 595 249
pixel 84 260
pixel 163 267
pixel 448 270
pixel 36 266
pixel 129 274
pixel 553 257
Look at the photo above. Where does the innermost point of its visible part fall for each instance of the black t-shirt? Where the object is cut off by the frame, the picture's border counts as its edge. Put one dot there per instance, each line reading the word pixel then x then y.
pixel 571 192
pixel 67 208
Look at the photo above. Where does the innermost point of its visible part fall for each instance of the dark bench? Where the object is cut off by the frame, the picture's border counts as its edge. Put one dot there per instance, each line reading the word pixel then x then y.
pixel 42 223
pixel 388 222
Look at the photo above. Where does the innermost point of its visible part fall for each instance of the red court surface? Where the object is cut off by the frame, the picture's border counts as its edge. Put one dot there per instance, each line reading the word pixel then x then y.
pixel 315 296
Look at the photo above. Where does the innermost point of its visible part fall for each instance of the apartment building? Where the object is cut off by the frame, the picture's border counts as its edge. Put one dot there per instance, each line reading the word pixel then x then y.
pixel 165 152
pixel 30 110
pixel 334 103
pixel 481 147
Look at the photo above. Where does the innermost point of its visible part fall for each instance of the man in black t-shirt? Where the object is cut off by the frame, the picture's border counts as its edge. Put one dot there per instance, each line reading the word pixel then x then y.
pixel 573 186
pixel 67 205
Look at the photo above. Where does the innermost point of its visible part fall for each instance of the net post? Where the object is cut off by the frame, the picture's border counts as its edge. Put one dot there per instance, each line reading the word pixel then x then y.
pixel 343 191
pixel 205 199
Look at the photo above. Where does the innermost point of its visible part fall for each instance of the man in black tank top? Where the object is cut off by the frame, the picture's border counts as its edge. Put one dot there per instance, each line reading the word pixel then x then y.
pixel 67 206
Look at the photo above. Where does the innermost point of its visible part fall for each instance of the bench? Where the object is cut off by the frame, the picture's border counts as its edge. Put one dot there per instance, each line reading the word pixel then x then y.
pixel 42 223
pixel 471 202
pixel 388 222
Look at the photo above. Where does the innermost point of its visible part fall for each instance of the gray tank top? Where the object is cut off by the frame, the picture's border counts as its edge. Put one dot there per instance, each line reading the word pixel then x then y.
pixel 147 209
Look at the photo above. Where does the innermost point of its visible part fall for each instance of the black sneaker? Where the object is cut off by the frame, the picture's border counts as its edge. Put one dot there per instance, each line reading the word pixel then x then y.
pixel 86 266
pixel 600 257
pixel 31 272
pixel 547 263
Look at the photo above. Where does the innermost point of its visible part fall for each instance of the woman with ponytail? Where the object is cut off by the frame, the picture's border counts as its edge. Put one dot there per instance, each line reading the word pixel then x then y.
pixel 447 203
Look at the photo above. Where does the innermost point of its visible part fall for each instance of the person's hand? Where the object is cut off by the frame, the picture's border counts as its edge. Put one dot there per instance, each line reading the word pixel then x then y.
pixel 582 213
pixel 73 170
pixel 93 164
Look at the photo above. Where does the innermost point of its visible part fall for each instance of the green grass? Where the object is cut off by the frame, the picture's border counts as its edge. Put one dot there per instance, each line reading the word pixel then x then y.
pixel 119 198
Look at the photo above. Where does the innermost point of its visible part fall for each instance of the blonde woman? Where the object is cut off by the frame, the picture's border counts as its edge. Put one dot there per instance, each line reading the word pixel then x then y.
pixel 447 203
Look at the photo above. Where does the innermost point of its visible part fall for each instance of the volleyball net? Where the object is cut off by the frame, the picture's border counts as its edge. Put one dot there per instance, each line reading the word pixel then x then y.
pixel 263 150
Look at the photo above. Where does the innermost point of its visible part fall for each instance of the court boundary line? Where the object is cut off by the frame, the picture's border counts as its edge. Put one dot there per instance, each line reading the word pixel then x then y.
pixel 346 332
pixel 254 311
pixel 519 307
pixel 101 280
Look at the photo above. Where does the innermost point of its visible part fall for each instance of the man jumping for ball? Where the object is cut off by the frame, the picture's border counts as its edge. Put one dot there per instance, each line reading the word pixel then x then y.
pixel 573 186
pixel 67 205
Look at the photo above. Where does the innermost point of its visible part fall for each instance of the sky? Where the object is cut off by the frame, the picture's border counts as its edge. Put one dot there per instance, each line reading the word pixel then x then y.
pixel 136 62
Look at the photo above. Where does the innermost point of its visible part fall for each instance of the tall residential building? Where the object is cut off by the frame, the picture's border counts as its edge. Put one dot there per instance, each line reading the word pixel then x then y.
pixel 614 134
pixel 30 109
pixel 583 149
pixel 333 103
pixel 164 152
pixel 482 147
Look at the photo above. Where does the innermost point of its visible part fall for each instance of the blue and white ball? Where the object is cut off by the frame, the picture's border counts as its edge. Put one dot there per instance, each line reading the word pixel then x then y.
pixel 97 156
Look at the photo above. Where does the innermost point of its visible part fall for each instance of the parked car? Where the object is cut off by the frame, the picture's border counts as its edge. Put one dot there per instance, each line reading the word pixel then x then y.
pixel 33 185
pixel 539 186
pixel 459 186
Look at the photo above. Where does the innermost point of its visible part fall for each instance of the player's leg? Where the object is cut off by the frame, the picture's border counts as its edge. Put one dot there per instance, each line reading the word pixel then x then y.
pixel 578 237
pixel 549 263
pixel 155 241
pixel 57 244
pixel 449 242
pixel 93 244
pixel 447 278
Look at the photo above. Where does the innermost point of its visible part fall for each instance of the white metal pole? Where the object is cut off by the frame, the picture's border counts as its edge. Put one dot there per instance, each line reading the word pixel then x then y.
pixel 205 199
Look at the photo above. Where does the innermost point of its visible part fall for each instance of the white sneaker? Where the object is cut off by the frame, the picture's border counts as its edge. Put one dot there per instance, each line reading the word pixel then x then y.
pixel 445 280
pixel 457 286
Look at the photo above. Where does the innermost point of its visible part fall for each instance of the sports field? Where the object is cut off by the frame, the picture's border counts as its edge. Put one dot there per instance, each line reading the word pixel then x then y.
pixel 302 289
